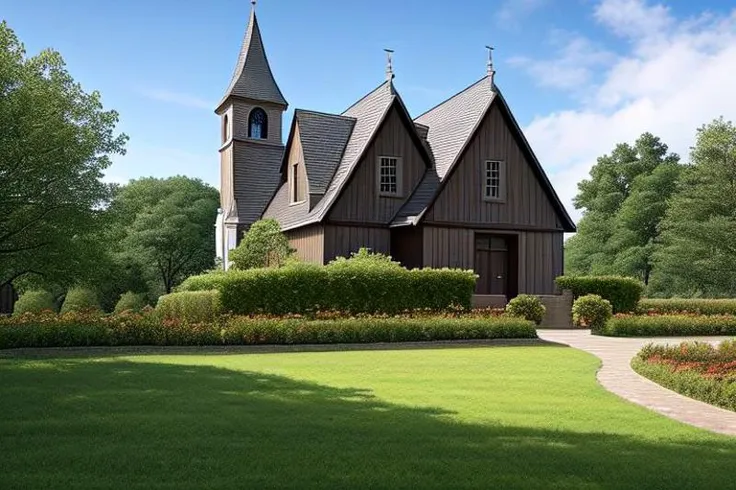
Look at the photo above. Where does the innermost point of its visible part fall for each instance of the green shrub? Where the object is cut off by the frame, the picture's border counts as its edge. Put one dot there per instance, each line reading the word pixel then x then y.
pixel 591 311
pixel 670 325
pixel 190 306
pixel 263 245
pixel 80 299
pixel 361 284
pixel 700 306
pixel 528 307
pixel 94 329
pixel 204 282
pixel 130 301
pixel 34 302
pixel 623 292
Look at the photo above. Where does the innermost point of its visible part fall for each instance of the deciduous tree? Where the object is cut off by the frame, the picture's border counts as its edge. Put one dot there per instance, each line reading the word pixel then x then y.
pixel 55 142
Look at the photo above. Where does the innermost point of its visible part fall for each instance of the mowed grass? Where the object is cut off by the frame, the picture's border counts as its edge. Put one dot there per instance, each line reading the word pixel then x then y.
pixel 511 417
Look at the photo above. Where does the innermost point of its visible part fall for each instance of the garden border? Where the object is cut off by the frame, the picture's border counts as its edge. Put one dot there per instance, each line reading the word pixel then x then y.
pixel 107 351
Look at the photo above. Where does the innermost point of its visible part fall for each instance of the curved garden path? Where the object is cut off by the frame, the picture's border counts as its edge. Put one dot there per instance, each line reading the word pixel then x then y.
pixel 617 376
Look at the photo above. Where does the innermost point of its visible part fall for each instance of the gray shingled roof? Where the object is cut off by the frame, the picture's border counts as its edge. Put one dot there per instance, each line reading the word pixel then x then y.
pixel 252 77
pixel 323 137
pixel 254 184
pixel 451 124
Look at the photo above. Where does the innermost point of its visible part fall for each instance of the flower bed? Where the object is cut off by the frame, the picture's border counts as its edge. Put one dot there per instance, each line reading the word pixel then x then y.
pixel 150 328
pixel 669 325
pixel 695 369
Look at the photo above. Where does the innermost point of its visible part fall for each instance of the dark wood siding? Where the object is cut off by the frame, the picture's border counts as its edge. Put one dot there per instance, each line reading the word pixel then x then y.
pixel 525 202
pixel 308 242
pixel 539 254
pixel 407 246
pixel 359 201
pixel 341 241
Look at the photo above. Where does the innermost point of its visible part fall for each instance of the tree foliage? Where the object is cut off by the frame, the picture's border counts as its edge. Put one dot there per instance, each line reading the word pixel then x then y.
pixel 55 142
pixel 263 245
pixel 698 256
pixel 165 227
pixel 623 201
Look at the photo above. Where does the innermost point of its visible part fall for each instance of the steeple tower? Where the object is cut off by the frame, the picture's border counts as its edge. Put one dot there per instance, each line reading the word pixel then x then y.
pixel 251 119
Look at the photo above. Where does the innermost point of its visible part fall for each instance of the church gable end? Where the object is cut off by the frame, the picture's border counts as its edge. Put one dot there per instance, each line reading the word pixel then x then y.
pixel 386 175
pixel 494 182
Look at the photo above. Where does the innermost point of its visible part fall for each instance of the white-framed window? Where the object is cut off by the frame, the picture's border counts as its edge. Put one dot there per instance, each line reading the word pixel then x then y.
pixel 389 176
pixel 493 180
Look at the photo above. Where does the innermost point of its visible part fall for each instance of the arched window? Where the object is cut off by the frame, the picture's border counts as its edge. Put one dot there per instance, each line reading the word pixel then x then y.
pixel 258 124
pixel 225 129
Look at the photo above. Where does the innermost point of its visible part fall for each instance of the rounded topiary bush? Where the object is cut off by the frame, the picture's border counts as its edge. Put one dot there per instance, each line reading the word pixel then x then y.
pixel 80 300
pixel 528 307
pixel 591 311
pixel 34 302
pixel 130 301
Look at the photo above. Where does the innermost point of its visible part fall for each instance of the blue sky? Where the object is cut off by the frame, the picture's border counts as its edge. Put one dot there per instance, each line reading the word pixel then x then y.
pixel 580 75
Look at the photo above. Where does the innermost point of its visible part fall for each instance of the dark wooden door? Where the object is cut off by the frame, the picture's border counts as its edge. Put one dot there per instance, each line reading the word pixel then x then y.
pixel 492 264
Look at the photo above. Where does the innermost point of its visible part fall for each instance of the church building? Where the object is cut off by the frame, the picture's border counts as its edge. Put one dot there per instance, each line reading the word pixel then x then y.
pixel 458 186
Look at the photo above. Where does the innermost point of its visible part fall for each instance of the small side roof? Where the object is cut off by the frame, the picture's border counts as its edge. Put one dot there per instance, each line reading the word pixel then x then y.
pixel 323 137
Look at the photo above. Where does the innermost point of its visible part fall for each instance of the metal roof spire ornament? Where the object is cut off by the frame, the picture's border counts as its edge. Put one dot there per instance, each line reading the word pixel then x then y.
pixel 489 66
pixel 253 2
pixel 389 64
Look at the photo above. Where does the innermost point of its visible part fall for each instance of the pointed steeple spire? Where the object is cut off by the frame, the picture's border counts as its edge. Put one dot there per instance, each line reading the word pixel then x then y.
pixel 252 77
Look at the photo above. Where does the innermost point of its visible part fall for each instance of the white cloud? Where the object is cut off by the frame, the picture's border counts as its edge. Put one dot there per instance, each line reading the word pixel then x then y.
pixel 177 98
pixel 572 67
pixel 677 75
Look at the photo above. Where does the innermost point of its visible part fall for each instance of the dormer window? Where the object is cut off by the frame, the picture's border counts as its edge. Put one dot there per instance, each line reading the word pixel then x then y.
pixel 225 129
pixel 389 176
pixel 258 124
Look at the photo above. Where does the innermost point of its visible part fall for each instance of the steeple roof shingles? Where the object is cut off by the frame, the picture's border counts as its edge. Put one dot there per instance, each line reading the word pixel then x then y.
pixel 252 77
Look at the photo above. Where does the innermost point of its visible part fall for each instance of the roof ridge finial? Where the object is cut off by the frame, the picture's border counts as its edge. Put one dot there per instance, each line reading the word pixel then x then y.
pixel 253 3
pixel 389 64
pixel 491 72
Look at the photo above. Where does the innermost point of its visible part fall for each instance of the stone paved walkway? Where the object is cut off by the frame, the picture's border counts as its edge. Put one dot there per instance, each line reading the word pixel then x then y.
pixel 617 376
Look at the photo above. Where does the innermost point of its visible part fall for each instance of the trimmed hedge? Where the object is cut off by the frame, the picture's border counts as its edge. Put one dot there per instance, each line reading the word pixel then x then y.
pixel 669 325
pixel 80 299
pixel 694 369
pixel 34 302
pixel 130 301
pixel 623 292
pixel 74 330
pixel 190 306
pixel 700 306
pixel 351 286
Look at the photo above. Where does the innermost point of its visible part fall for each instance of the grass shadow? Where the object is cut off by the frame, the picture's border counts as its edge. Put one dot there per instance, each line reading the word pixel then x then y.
pixel 119 424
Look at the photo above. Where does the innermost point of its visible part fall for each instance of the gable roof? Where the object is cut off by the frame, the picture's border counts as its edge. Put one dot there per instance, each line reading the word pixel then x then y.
pixel 367 114
pixel 452 122
pixel 452 126
pixel 323 137
pixel 252 77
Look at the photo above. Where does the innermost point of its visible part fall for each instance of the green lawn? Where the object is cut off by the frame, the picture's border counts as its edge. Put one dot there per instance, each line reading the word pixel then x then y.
pixel 510 417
